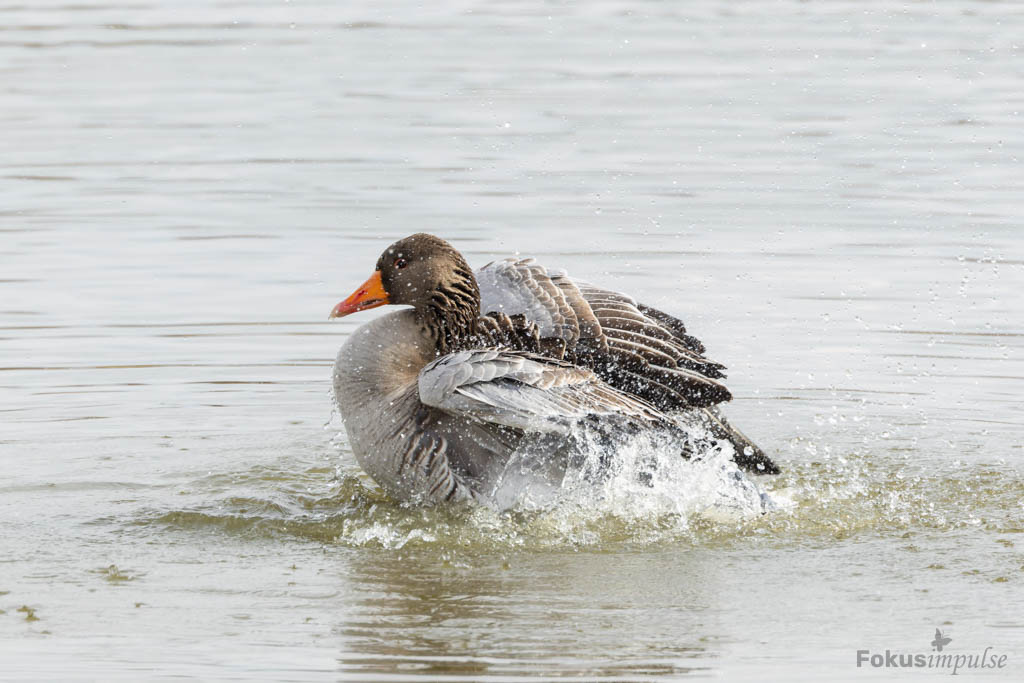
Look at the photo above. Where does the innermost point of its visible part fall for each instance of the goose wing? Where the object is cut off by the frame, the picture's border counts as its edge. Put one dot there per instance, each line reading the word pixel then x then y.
pixel 526 391
pixel 635 348
pixel 536 394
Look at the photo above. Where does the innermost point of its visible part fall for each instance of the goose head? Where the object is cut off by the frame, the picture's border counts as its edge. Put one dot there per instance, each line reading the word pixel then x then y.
pixel 427 273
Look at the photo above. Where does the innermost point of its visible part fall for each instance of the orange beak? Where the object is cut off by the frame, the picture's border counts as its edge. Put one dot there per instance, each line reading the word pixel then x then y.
pixel 370 294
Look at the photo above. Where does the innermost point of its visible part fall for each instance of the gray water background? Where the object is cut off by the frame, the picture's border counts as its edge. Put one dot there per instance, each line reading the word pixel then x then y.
pixel 828 193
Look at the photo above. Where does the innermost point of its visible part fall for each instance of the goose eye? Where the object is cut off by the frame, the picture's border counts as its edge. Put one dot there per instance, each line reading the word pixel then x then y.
pixel 401 263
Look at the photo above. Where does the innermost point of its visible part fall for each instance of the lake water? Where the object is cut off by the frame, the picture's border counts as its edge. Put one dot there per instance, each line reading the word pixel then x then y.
pixel 830 194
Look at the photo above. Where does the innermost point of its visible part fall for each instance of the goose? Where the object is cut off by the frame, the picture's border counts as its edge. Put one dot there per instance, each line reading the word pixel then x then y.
pixel 439 399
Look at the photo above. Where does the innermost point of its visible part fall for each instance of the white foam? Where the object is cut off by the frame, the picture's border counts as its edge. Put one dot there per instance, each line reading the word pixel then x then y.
pixel 641 477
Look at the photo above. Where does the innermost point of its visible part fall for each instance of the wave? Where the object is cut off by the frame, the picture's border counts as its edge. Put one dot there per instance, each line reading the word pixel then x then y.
pixel 646 496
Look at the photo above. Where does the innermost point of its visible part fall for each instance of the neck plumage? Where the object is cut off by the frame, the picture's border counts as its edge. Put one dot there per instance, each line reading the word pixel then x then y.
pixel 451 315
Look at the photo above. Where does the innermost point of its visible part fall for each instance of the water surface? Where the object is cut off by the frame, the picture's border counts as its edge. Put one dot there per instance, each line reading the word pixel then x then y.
pixel 828 193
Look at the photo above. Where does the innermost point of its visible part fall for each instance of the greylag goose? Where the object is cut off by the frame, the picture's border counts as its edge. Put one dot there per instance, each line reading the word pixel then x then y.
pixel 438 398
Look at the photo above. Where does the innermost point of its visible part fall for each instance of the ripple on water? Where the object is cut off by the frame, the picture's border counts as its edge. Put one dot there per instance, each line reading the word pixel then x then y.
pixel 815 502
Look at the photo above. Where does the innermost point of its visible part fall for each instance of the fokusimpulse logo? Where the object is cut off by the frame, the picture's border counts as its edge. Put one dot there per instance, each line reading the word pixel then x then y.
pixel 937 659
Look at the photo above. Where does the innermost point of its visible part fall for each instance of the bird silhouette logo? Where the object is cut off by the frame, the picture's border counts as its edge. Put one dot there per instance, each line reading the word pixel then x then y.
pixel 940 640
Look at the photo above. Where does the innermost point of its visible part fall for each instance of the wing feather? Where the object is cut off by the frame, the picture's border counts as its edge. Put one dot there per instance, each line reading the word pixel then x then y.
pixel 525 391
pixel 636 351
pixel 634 348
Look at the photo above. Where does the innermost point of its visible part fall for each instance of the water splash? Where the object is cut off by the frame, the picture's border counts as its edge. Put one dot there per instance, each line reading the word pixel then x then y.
pixel 647 496
pixel 635 477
